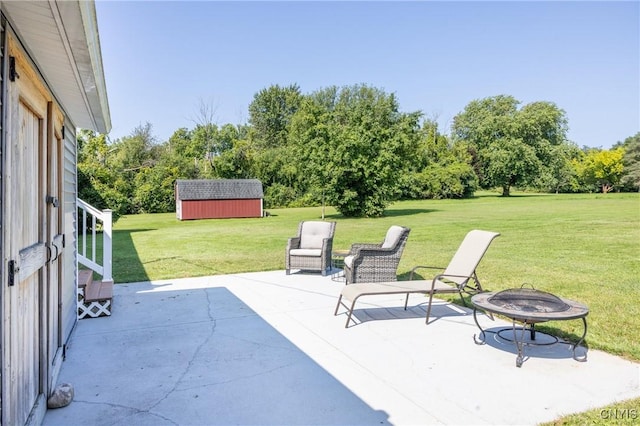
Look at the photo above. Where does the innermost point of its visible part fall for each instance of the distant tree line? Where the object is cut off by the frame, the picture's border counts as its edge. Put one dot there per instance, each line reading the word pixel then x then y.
pixel 352 148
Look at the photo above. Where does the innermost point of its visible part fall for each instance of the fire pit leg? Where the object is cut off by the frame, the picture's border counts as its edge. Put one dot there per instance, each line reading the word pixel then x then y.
pixel 533 331
pixel 519 342
pixel 482 335
pixel 584 358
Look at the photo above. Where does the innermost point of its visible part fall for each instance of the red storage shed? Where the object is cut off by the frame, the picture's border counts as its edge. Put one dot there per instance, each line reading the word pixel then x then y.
pixel 218 198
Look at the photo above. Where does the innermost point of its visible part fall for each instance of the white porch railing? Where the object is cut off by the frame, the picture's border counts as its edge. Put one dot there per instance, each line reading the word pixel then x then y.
pixel 87 212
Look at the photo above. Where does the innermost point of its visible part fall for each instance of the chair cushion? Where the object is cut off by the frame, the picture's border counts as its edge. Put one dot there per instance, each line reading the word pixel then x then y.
pixel 313 233
pixel 348 261
pixel 393 236
pixel 306 252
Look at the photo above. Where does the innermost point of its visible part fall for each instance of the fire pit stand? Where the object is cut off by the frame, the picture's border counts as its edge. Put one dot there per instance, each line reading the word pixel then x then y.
pixel 528 307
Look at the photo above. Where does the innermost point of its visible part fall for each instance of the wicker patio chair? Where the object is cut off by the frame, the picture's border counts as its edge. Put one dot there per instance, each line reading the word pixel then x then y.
pixel 310 250
pixel 372 263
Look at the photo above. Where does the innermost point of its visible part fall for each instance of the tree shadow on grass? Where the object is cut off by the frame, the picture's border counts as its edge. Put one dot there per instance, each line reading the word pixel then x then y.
pixel 518 195
pixel 407 212
pixel 387 213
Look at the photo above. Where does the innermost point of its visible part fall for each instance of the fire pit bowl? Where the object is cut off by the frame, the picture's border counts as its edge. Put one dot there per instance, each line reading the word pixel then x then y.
pixel 529 306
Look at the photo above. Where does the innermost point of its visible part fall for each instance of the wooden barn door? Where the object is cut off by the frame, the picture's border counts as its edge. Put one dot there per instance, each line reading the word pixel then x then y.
pixel 30 337
pixel 55 242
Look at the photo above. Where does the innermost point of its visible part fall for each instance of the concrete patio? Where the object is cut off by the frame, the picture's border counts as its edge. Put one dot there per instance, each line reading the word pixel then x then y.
pixel 265 348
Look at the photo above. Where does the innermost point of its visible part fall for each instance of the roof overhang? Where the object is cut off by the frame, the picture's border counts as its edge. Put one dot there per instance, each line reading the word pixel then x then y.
pixel 61 37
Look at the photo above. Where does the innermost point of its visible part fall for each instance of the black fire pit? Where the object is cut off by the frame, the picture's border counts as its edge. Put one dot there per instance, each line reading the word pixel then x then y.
pixel 529 306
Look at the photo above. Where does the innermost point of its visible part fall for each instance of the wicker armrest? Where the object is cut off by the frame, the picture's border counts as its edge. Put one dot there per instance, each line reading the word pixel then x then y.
pixel 327 246
pixel 356 247
pixel 293 243
pixel 374 251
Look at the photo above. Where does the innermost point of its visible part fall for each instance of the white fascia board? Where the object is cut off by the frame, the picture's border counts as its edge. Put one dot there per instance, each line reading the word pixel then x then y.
pixel 61 37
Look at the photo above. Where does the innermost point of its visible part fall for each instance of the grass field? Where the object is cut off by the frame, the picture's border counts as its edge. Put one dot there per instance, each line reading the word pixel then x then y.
pixel 584 247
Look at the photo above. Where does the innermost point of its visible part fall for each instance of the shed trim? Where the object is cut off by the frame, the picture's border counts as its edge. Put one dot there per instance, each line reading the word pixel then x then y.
pixel 65 48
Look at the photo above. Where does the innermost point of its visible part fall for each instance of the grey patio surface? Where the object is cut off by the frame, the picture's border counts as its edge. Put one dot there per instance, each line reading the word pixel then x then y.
pixel 265 348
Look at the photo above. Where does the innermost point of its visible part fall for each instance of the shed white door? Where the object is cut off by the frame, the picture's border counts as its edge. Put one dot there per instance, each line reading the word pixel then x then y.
pixel 55 242
pixel 30 338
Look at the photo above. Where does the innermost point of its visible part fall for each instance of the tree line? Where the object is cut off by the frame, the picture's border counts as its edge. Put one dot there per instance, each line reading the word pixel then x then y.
pixel 351 147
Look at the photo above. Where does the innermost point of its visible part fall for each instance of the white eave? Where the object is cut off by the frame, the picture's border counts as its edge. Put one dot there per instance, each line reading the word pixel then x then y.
pixel 61 37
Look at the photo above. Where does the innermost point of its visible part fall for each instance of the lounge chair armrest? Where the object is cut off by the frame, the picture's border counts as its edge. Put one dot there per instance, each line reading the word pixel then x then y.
pixel 447 277
pixel 422 267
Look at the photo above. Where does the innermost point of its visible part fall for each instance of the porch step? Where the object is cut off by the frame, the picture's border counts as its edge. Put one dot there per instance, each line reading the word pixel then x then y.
pixel 98 291
pixel 85 277
pixel 94 297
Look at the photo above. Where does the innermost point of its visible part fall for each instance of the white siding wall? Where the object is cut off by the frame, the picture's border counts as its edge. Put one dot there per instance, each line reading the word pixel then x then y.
pixel 70 191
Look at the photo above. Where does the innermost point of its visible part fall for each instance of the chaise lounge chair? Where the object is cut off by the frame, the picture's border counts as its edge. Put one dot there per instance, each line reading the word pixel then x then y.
pixel 460 276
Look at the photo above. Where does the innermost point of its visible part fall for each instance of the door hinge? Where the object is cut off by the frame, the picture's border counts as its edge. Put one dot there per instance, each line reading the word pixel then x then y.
pixel 13 271
pixel 62 132
pixel 13 74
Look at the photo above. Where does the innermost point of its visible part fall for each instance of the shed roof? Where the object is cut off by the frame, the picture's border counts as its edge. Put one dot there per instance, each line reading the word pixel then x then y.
pixel 61 37
pixel 218 189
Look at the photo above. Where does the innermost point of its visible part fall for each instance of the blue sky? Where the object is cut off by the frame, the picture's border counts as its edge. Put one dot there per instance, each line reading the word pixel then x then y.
pixel 162 58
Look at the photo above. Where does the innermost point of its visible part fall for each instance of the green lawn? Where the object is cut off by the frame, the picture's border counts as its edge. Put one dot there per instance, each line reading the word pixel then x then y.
pixel 584 247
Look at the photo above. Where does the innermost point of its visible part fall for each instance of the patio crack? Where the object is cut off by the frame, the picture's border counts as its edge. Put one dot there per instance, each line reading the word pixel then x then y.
pixel 133 411
pixel 195 354
pixel 236 379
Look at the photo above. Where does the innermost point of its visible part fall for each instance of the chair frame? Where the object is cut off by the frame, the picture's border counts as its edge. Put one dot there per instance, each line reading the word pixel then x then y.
pixel 320 263
pixel 372 263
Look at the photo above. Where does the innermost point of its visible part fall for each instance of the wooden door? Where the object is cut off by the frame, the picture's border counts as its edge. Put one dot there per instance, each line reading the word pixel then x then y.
pixel 30 339
pixel 55 242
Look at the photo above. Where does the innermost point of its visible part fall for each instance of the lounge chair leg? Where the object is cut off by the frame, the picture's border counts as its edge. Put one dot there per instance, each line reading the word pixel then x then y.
pixel 337 306
pixel 406 302
pixel 288 271
pixel 462 299
pixel 353 304
pixel 429 307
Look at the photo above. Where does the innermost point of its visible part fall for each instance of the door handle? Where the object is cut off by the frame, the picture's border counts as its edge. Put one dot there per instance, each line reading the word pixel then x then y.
pixel 53 200
pixel 13 271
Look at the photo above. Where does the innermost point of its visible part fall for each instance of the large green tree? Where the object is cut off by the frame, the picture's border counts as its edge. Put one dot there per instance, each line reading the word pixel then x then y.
pixel 438 168
pixel 99 183
pixel 351 144
pixel 511 146
pixel 602 168
pixel 178 158
pixel 560 175
pixel 133 152
pixel 631 162
pixel 270 114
